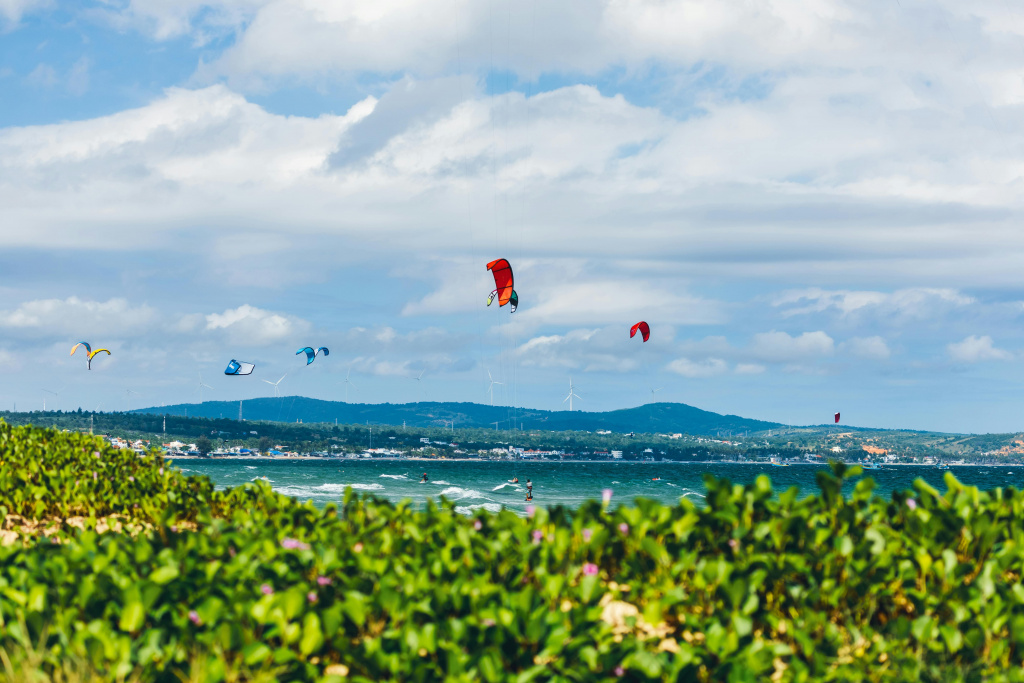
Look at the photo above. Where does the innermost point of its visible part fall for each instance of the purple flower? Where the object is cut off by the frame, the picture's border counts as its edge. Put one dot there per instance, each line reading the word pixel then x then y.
pixel 95 477
pixel 734 544
pixel 174 528
pixel 488 623
pixel 619 671
pixel 911 503
pixel 478 525
pixel 311 596
pixel 537 535
pixel 606 496
pixel 161 470
pixel 193 616
pixel 266 589
pixel 530 510
pixel 590 569
pixel 294 544
pixel 587 533
pixel 624 528
pixel 323 580
pixel 131 478
pixel 96 453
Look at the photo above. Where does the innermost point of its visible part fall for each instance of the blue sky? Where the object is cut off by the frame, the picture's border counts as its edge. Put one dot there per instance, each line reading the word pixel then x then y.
pixel 816 205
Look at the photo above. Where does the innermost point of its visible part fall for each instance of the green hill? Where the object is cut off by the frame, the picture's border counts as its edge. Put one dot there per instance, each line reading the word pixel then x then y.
pixel 651 418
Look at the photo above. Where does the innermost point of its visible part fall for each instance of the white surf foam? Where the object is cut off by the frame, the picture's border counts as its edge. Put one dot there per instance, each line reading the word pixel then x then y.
pixel 394 476
pixel 468 509
pixel 340 488
pixel 501 486
pixel 458 493
pixel 440 482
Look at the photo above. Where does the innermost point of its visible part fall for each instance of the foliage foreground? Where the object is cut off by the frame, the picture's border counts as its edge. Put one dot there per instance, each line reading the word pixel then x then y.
pixel 246 584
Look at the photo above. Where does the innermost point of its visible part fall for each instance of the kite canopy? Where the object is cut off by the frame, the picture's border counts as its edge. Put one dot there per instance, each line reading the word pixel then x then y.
pixel 311 354
pixel 88 349
pixel 645 330
pixel 239 368
pixel 502 272
pixel 514 301
pixel 837 418
pixel 92 354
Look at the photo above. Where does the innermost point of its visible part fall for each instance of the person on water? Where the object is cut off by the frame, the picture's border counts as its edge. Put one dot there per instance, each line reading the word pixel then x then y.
pixel 529 495
pixel 424 479
pixel 515 480
pixel 529 488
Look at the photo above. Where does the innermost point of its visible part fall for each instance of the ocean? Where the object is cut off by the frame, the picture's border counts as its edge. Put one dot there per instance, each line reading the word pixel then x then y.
pixel 474 485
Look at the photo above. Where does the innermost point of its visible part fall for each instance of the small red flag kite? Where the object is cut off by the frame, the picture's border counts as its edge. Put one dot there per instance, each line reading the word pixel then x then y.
pixel 837 418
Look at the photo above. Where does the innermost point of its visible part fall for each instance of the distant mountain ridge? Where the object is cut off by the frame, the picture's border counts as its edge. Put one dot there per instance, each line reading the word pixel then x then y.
pixel 650 418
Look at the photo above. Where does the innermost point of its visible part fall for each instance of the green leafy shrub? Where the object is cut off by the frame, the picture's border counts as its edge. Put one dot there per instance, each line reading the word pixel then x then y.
pixel 750 586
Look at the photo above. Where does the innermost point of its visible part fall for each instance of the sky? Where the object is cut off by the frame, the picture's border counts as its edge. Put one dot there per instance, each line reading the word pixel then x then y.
pixel 815 204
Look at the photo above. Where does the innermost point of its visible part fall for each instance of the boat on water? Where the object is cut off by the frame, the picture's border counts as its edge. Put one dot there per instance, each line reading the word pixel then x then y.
pixel 942 466
pixel 871 466
pixel 776 463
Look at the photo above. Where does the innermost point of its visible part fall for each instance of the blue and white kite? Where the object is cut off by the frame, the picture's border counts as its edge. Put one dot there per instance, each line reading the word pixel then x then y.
pixel 311 354
pixel 239 368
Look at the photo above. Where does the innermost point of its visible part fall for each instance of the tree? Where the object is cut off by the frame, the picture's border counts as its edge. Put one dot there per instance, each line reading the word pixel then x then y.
pixel 265 444
pixel 204 445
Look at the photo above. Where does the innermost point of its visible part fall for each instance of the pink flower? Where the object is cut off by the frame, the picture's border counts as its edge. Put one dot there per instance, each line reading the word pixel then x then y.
pixel 590 569
pixel 619 671
pixel 537 535
pixel 161 470
pixel 95 477
pixel 478 525
pixel 734 544
pixel 266 589
pixel 358 547
pixel 193 616
pixel 96 453
pixel 606 496
pixel 131 478
pixel 294 544
pixel 624 528
pixel 173 528
pixel 530 510
pixel 911 503
pixel 323 580
pixel 587 533
pixel 311 596
pixel 231 551
pixel 488 623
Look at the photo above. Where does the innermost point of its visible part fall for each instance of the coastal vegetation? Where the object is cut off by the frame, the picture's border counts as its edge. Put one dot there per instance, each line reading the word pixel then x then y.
pixel 146 574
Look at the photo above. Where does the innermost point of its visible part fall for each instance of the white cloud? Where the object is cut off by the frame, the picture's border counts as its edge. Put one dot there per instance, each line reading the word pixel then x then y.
pixel 914 303
pixel 975 349
pixel 709 367
pixel 74 317
pixel 253 326
pixel 780 347
pixel 14 10
pixel 749 369
pixel 590 350
pixel 874 348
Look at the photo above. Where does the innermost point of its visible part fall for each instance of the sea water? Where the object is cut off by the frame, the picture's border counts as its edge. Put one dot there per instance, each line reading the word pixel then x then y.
pixel 473 485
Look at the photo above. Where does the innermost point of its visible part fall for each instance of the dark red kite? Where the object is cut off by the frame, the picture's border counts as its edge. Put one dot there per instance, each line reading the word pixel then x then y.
pixel 502 272
pixel 645 330
pixel 837 418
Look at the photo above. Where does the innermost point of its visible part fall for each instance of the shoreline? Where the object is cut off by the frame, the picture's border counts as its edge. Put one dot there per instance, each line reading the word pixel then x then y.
pixel 310 458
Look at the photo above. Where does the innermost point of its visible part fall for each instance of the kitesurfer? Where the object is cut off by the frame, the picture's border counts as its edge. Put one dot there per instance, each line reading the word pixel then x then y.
pixel 424 479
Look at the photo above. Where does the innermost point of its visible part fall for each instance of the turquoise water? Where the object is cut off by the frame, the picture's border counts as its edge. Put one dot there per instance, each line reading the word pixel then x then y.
pixel 473 485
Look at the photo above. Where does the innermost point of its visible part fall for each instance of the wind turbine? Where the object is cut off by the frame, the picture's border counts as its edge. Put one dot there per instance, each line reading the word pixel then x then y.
pixel 130 393
pixel 654 391
pixel 490 387
pixel 201 387
pixel 55 393
pixel 419 378
pixel 572 393
pixel 348 382
pixel 277 392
